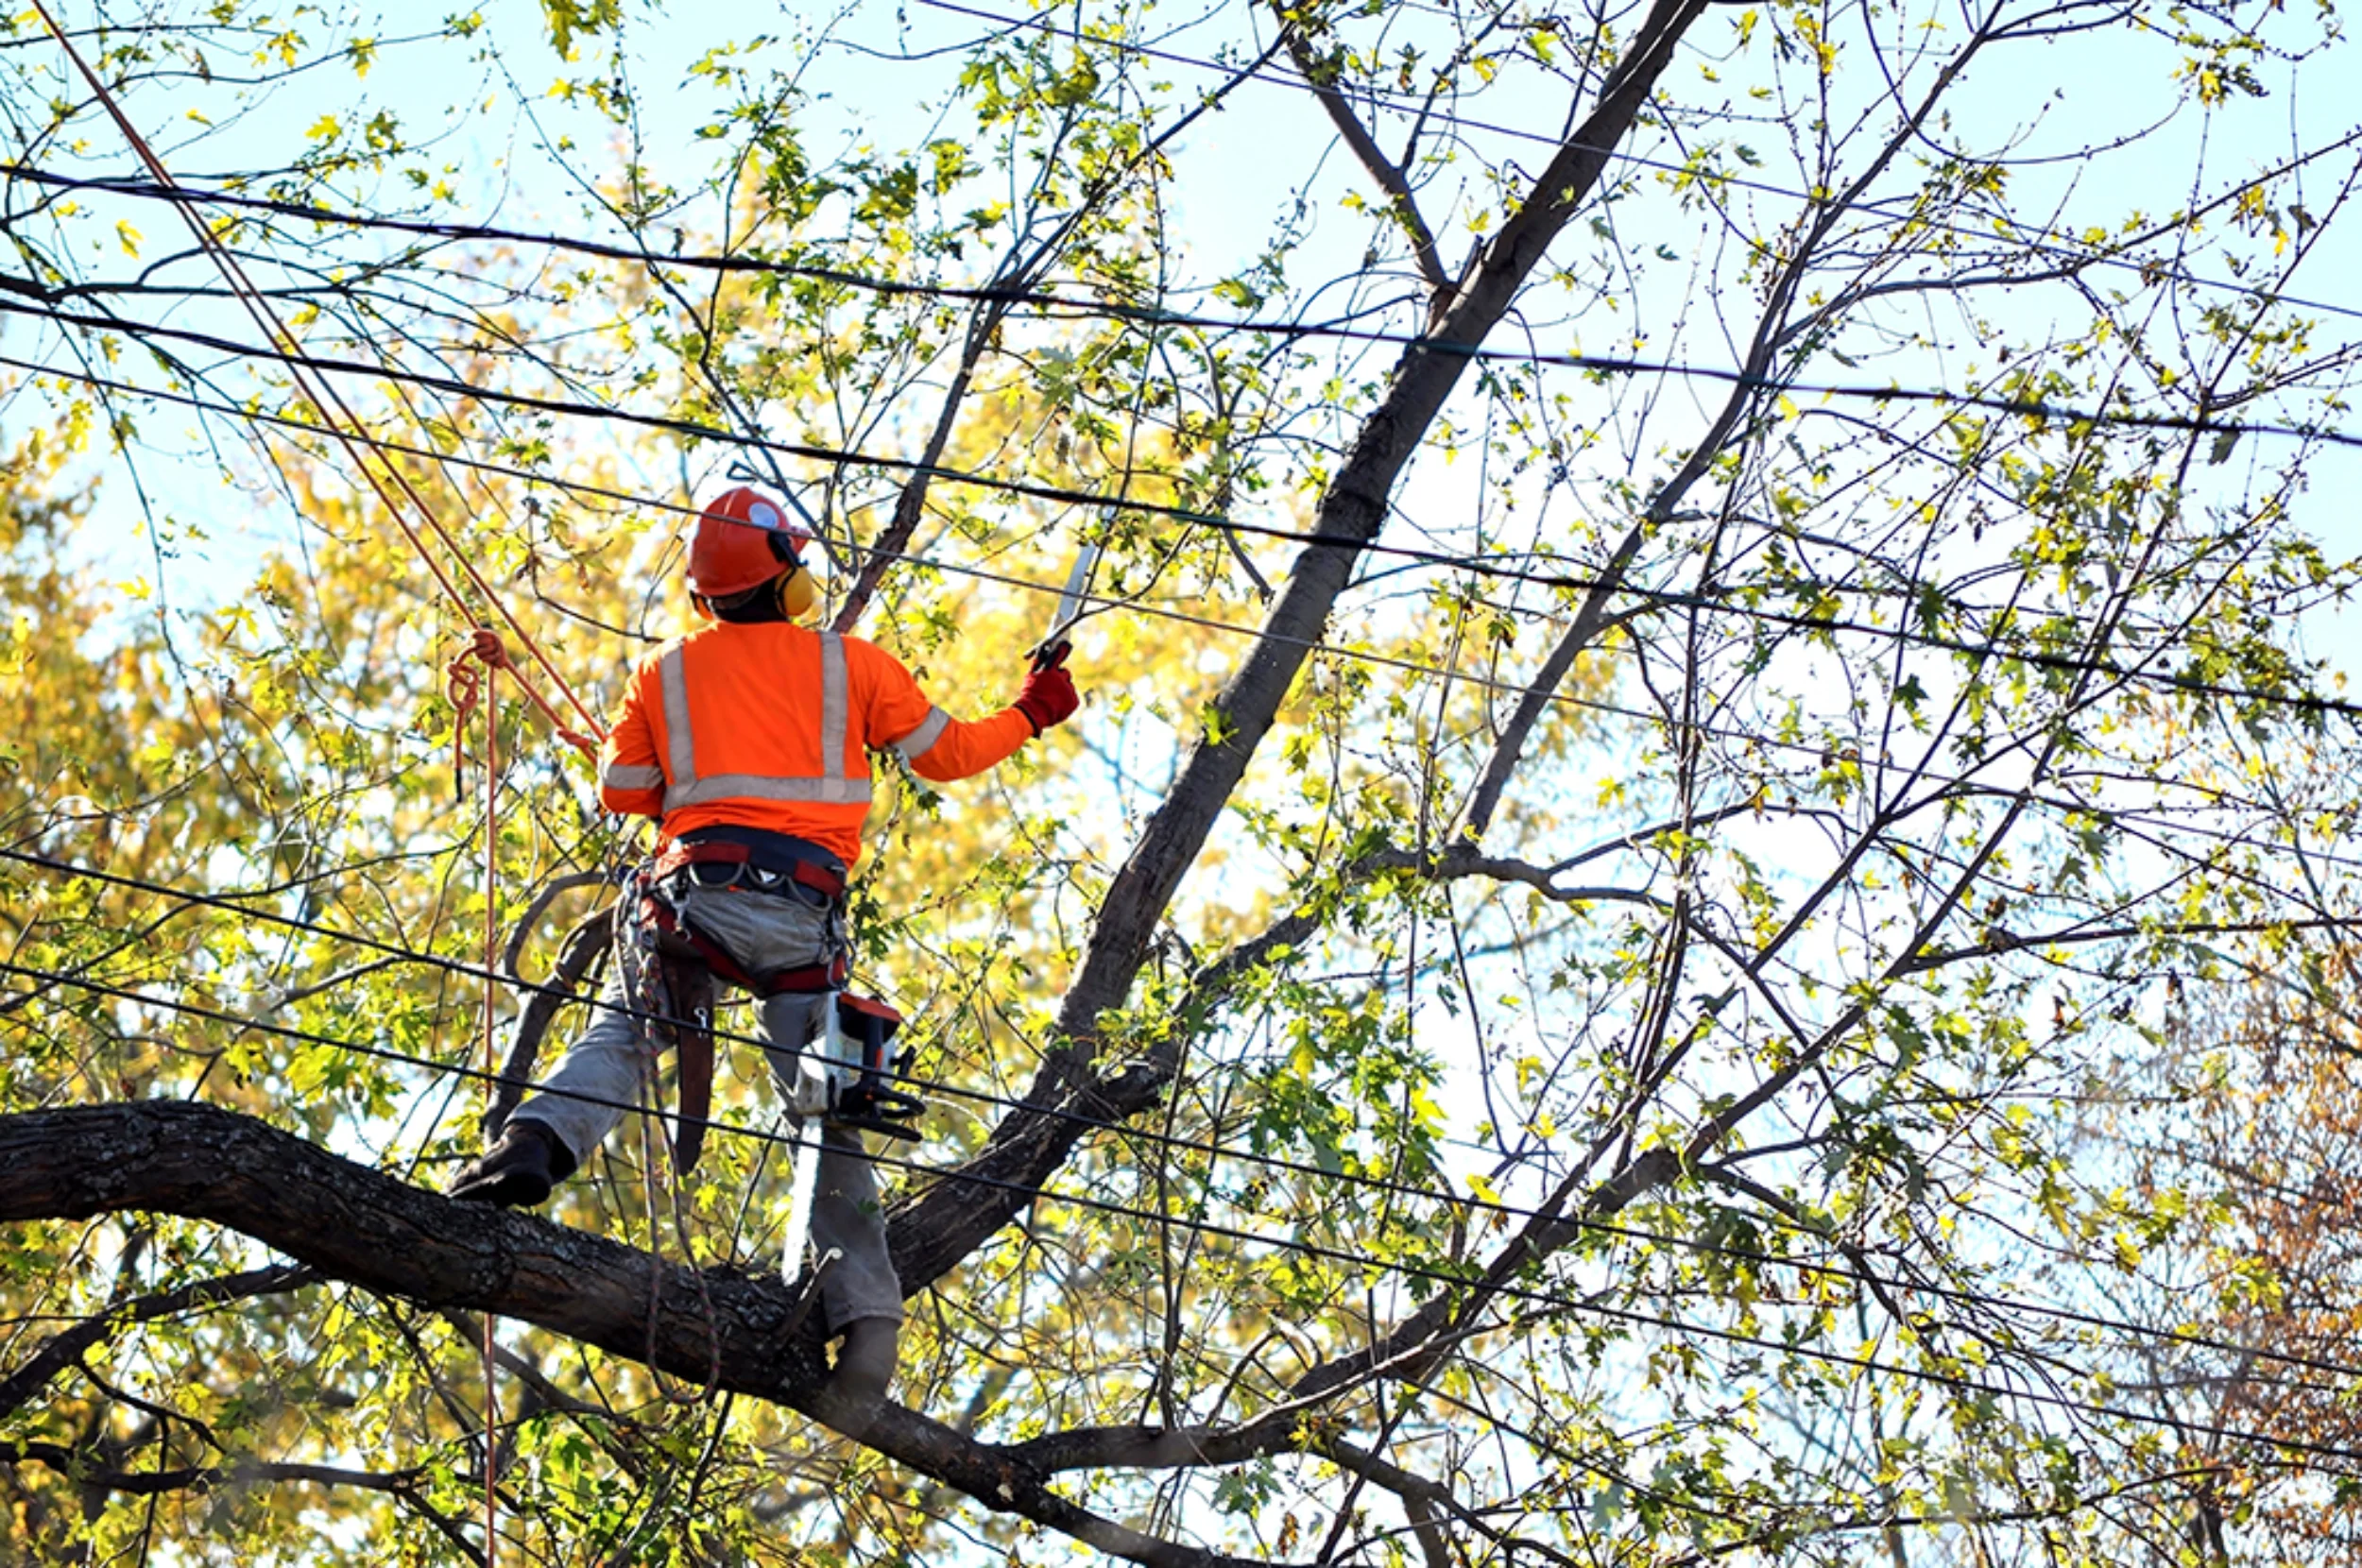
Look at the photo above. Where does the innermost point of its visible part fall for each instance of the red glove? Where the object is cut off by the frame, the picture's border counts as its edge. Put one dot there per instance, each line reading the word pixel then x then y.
pixel 1049 696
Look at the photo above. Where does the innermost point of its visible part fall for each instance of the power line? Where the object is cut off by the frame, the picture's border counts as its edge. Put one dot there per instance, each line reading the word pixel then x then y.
pixel 1100 601
pixel 2034 408
pixel 667 424
pixel 1474 566
pixel 1477 565
pixel 1173 1143
pixel 1321 649
pixel 2050 242
pixel 1447 1278
pixel 2301 702
pixel 1318 648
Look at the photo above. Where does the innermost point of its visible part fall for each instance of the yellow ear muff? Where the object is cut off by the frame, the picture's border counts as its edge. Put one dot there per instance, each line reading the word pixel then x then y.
pixel 797 593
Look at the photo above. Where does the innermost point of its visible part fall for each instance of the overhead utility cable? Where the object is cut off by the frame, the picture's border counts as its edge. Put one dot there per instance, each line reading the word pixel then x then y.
pixel 1473 565
pixel 2032 408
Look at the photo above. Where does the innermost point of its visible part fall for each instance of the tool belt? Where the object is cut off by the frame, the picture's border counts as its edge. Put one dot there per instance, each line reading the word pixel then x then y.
pixel 688 962
pixel 773 863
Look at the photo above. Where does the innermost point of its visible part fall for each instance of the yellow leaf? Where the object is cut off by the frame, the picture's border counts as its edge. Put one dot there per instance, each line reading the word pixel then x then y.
pixel 129 237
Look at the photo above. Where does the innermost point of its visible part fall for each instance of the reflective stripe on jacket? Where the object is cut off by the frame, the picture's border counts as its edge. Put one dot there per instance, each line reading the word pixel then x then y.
pixel 770 726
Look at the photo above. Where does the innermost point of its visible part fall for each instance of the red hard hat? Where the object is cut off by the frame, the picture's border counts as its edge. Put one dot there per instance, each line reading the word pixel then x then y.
pixel 742 540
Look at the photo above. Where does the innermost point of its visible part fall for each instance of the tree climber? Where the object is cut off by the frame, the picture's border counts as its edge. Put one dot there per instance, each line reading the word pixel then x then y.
pixel 747 739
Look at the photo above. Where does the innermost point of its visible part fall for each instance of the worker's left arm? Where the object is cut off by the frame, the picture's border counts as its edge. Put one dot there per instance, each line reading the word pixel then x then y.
pixel 936 745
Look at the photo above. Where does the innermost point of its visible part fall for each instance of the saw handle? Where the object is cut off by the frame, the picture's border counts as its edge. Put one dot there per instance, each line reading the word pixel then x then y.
pixel 1048 696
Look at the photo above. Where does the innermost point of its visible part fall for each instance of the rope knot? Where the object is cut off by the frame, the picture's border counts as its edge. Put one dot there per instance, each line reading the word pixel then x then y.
pixel 486 647
pixel 464 681
pixel 463 685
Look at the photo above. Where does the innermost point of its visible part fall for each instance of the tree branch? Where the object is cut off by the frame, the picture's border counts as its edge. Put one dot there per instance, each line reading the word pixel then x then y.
pixel 63 1349
pixel 1400 201
pixel 582 948
pixel 348 1222
pixel 946 1223
pixel 75 1465
pixel 1455 864
pixel 1017 273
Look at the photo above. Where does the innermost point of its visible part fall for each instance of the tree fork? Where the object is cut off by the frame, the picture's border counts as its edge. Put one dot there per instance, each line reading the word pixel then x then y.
pixel 942 1226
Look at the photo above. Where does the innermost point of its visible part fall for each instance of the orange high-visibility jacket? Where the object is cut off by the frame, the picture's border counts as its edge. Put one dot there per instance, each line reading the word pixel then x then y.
pixel 770 725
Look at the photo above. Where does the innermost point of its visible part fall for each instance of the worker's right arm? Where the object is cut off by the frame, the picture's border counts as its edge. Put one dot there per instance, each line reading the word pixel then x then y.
pixel 937 747
pixel 630 779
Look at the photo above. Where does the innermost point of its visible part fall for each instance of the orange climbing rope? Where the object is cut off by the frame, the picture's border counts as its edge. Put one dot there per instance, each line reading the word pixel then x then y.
pixel 464 682
pixel 465 676
pixel 339 420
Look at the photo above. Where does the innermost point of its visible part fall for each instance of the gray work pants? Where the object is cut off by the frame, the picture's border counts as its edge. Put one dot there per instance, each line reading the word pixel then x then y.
pixel 761 932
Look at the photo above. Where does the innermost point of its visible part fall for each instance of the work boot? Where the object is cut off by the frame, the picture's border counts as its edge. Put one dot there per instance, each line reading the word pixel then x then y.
pixel 519 1170
pixel 864 1360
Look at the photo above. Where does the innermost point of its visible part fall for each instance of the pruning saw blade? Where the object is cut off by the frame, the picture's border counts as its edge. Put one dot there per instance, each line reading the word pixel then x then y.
pixel 800 1195
pixel 1070 605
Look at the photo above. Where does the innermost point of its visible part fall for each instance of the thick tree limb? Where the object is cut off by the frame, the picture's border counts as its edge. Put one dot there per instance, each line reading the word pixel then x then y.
pixel 363 1227
pixel 951 1219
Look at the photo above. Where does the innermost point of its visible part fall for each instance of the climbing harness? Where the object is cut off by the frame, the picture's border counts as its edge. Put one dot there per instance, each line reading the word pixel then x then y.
pixel 670 965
